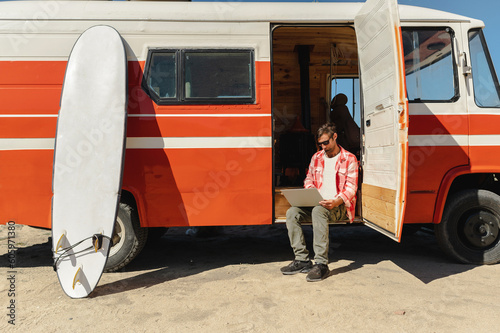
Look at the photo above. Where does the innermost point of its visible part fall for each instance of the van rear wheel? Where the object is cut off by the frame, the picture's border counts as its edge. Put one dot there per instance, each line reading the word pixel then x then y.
pixel 128 238
pixel 470 228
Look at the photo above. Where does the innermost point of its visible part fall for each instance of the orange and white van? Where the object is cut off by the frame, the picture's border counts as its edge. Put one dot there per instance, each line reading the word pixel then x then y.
pixel 224 101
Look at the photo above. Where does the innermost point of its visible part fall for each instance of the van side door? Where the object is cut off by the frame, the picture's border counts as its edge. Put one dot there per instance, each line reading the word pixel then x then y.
pixel 384 155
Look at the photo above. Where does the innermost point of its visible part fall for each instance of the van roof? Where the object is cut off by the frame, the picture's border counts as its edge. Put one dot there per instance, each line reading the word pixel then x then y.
pixel 312 12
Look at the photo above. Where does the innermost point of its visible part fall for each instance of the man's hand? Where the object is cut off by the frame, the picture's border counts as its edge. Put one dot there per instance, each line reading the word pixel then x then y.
pixel 331 203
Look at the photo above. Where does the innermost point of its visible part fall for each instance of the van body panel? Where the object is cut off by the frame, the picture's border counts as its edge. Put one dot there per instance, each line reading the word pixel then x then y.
pixel 229 169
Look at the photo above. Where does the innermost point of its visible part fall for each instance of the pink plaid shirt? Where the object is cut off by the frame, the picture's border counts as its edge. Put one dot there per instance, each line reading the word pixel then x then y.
pixel 347 177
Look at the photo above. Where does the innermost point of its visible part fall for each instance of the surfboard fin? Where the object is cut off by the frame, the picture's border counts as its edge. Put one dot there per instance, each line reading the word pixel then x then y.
pixel 60 242
pixel 97 241
pixel 76 279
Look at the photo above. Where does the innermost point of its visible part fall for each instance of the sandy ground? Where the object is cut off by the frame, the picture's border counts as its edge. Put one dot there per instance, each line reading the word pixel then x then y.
pixel 232 283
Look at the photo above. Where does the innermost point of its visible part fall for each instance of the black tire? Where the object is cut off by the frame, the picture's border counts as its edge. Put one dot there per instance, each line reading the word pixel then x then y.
pixel 469 230
pixel 128 238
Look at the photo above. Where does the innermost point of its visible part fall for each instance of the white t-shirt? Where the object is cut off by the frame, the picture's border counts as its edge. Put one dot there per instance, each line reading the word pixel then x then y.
pixel 329 188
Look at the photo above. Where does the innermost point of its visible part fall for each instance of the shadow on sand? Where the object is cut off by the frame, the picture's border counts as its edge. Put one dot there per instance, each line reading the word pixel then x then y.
pixel 177 255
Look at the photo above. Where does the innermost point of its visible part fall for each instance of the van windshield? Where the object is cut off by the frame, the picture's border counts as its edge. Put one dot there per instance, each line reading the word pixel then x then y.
pixel 484 78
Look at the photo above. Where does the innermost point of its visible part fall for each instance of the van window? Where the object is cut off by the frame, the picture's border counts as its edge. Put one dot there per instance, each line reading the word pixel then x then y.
pixel 431 74
pixel 218 75
pixel 200 76
pixel 162 75
pixel 350 88
pixel 486 87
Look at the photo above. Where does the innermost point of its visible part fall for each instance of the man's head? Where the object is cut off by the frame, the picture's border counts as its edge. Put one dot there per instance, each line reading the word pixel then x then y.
pixel 327 139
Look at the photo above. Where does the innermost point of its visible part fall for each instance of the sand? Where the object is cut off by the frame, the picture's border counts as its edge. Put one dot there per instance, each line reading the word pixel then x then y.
pixel 231 283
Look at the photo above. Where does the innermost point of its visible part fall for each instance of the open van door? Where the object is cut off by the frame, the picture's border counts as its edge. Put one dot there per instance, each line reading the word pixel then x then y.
pixel 384 155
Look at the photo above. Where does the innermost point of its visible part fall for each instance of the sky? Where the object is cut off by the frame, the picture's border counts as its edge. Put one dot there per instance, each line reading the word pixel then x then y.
pixel 486 10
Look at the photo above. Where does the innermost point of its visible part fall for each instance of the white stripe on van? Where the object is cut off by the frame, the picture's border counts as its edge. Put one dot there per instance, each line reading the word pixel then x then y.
pixel 484 140
pixel 152 143
pixel 437 140
pixel 247 142
pixel 453 140
pixel 200 142
pixel 27 144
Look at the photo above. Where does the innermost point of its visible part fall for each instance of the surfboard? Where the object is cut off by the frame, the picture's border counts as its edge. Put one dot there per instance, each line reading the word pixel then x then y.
pixel 88 158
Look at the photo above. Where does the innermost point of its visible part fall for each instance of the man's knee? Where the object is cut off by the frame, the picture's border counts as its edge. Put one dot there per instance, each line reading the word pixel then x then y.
pixel 293 213
pixel 320 212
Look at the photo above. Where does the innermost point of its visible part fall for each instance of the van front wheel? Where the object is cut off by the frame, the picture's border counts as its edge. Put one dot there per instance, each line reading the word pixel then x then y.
pixel 128 238
pixel 470 228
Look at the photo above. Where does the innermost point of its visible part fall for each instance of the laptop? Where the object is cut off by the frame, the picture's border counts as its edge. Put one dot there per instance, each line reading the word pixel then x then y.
pixel 302 197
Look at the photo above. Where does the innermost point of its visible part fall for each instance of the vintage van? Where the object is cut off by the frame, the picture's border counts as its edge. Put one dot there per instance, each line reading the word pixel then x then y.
pixel 224 101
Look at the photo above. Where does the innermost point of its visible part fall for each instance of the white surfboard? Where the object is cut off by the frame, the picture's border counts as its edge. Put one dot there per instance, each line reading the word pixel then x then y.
pixel 88 158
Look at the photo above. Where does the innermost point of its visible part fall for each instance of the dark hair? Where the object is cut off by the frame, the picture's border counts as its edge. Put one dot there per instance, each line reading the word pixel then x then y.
pixel 328 128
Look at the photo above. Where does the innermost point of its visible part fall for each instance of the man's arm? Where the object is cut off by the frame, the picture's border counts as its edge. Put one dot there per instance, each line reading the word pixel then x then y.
pixel 351 186
pixel 309 181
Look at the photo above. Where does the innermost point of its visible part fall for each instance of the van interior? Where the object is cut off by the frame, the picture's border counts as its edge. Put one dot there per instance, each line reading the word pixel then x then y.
pixel 314 68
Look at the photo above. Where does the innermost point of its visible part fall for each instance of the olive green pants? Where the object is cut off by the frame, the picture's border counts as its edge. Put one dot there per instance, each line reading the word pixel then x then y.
pixel 320 217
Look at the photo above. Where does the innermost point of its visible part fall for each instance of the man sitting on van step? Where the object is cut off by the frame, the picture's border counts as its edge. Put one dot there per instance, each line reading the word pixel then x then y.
pixel 334 172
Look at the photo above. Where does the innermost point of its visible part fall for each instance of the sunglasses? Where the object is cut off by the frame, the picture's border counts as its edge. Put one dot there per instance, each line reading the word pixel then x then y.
pixel 324 143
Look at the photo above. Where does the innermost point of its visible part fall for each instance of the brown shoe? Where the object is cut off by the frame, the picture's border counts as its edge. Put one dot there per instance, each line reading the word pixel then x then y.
pixel 318 273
